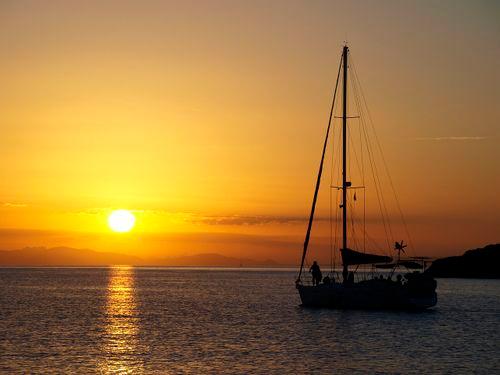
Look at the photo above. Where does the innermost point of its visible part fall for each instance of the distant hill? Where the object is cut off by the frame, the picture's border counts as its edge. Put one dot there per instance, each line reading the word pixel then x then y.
pixel 481 263
pixel 67 256
pixel 215 260
pixel 63 256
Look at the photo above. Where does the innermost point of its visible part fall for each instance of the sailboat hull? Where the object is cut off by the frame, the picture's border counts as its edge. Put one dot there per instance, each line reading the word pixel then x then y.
pixel 369 295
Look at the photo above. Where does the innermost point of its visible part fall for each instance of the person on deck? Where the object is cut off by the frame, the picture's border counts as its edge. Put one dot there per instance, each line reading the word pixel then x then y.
pixel 399 279
pixel 316 273
pixel 350 278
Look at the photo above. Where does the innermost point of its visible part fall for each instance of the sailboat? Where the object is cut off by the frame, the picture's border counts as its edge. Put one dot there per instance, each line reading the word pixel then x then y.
pixel 414 291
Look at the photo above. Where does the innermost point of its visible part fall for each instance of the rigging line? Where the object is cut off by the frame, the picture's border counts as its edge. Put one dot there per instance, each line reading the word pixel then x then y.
pixel 363 183
pixel 358 91
pixel 330 201
pixel 337 196
pixel 374 243
pixel 331 232
pixel 313 207
pixel 353 221
pixel 384 210
pixel 378 186
pixel 337 215
pixel 380 196
pixel 351 143
pixel 353 229
pixel 333 228
pixel 359 165
pixel 353 213
pixel 331 219
pixel 364 219
pixel 378 191
pixel 407 232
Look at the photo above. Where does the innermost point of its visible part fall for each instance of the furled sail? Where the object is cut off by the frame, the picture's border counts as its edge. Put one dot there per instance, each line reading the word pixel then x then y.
pixel 352 257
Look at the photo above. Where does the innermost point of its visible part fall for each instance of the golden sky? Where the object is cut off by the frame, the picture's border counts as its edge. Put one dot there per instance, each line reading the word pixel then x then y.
pixel 206 119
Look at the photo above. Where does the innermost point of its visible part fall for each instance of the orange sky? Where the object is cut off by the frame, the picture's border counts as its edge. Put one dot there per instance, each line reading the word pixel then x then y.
pixel 207 119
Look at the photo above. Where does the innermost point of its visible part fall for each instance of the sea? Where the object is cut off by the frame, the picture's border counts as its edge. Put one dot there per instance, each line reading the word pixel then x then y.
pixel 121 320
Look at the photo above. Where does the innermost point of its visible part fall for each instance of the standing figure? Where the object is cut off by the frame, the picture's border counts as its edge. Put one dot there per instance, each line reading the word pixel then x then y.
pixel 316 273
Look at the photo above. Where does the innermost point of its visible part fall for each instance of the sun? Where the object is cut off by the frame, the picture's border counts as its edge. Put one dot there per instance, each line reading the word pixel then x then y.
pixel 121 221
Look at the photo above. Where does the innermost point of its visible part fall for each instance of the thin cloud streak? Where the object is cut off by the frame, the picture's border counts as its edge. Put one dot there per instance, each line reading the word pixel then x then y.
pixel 13 205
pixel 247 220
pixel 451 138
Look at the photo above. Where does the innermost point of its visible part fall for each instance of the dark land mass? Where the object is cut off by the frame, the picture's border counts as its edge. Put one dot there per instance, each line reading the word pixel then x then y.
pixel 215 260
pixel 481 263
pixel 63 256
pixel 67 256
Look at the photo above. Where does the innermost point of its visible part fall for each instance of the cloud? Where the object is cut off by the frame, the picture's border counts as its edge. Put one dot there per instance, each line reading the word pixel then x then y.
pixel 451 138
pixel 250 220
pixel 13 205
pixel 245 220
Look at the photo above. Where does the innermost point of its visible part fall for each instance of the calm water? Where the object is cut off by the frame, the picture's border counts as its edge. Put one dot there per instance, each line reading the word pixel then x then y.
pixel 118 320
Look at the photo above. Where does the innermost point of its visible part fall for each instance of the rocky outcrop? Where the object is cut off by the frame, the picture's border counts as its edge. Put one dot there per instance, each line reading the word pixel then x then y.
pixel 481 263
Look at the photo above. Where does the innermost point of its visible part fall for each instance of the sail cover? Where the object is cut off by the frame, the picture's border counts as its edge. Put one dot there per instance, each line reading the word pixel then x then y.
pixel 351 257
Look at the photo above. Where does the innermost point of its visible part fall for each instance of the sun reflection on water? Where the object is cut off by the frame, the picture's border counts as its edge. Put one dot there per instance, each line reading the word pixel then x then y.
pixel 120 344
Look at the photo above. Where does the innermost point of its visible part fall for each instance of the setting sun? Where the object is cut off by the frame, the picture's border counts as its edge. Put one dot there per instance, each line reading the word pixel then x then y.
pixel 121 221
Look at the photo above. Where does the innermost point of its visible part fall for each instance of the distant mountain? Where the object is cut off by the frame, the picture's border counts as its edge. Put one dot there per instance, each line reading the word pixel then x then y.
pixel 63 256
pixel 481 263
pixel 215 260
pixel 67 256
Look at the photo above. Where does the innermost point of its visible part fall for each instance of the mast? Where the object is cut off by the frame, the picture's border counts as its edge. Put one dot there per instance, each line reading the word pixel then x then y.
pixel 344 161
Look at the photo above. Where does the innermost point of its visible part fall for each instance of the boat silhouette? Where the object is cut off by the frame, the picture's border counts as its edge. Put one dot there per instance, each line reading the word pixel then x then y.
pixel 415 290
